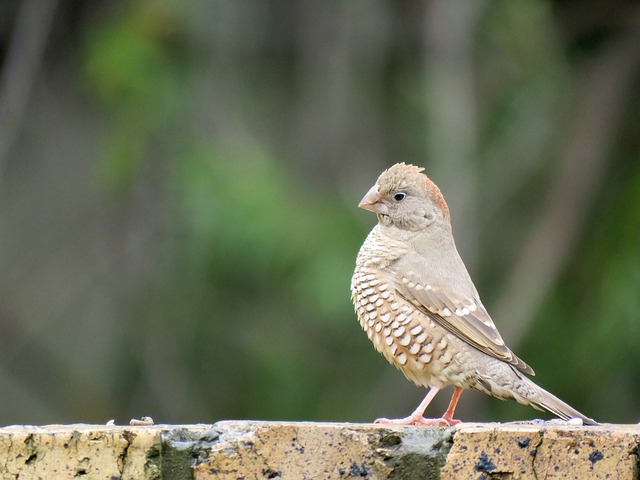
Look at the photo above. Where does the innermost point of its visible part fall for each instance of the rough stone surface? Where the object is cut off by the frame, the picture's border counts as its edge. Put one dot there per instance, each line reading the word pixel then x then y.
pixel 315 450
pixel 293 450
pixel 82 451
pixel 551 451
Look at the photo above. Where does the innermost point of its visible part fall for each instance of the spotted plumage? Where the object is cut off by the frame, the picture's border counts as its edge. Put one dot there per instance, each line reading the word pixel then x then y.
pixel 419 307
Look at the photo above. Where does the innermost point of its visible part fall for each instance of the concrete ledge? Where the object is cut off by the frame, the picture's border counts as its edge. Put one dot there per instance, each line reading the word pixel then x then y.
pixel 291 450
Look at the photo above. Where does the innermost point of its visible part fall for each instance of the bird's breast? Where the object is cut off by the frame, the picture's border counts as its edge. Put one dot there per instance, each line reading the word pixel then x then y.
pixel 408 339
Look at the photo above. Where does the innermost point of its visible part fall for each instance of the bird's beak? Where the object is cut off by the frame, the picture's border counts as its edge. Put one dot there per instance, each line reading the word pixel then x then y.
pixel 372 201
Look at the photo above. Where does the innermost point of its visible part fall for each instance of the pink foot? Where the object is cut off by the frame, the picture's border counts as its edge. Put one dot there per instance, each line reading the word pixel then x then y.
pixel 419 420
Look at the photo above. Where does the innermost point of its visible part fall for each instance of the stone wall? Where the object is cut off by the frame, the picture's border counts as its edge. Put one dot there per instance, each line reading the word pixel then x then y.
pixel 274 450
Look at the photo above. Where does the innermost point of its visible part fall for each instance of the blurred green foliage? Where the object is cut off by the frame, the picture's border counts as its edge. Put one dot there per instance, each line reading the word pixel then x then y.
pixel 219 150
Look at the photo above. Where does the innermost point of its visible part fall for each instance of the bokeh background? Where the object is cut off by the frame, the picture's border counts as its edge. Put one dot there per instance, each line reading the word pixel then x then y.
pixel 178 191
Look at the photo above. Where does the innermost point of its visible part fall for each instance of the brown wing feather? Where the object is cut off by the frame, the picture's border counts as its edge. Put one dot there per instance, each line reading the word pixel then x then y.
pixel 468 320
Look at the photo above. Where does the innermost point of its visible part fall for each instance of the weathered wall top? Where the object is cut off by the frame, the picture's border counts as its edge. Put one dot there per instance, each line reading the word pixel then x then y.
pixel 299 450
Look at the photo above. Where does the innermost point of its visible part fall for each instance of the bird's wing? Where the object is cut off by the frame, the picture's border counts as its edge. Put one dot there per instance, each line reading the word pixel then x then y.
pixel 466 318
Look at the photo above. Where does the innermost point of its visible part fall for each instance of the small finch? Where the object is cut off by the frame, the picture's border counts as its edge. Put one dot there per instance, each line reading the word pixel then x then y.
pixel 415 299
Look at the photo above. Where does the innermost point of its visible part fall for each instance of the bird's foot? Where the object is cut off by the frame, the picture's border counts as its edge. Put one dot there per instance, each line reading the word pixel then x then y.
pixel 416 419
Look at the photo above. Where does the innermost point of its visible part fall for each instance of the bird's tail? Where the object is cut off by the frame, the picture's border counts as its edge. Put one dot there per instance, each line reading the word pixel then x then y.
pixel 508 383
pixel 553 404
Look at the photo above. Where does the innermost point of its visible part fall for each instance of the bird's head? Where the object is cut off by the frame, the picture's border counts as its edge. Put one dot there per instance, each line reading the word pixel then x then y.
pixel 405 198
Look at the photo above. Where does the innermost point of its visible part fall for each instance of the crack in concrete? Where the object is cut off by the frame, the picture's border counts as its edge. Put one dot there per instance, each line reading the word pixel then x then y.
pixel 534 452
pixel 635 452
pixel 122 458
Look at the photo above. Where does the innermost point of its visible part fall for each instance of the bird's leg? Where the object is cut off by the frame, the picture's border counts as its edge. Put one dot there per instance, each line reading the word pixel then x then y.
pixel 417 418
pixel 448 415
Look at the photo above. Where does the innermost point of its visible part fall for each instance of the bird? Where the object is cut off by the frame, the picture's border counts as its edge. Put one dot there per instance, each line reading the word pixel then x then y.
pixel 414 298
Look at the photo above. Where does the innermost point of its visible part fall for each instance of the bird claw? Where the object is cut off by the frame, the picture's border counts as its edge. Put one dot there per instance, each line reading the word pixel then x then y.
pixel 419 420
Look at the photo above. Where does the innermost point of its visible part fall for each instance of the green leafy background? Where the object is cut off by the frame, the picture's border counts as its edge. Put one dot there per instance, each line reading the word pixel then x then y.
pixel 179 224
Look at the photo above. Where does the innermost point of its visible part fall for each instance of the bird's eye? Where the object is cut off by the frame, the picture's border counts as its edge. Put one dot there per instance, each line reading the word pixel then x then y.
pixel 398 197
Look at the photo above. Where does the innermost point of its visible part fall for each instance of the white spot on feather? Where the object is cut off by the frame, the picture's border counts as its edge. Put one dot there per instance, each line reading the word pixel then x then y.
pixel 424 358
pixel 402 358
pixel 421 338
